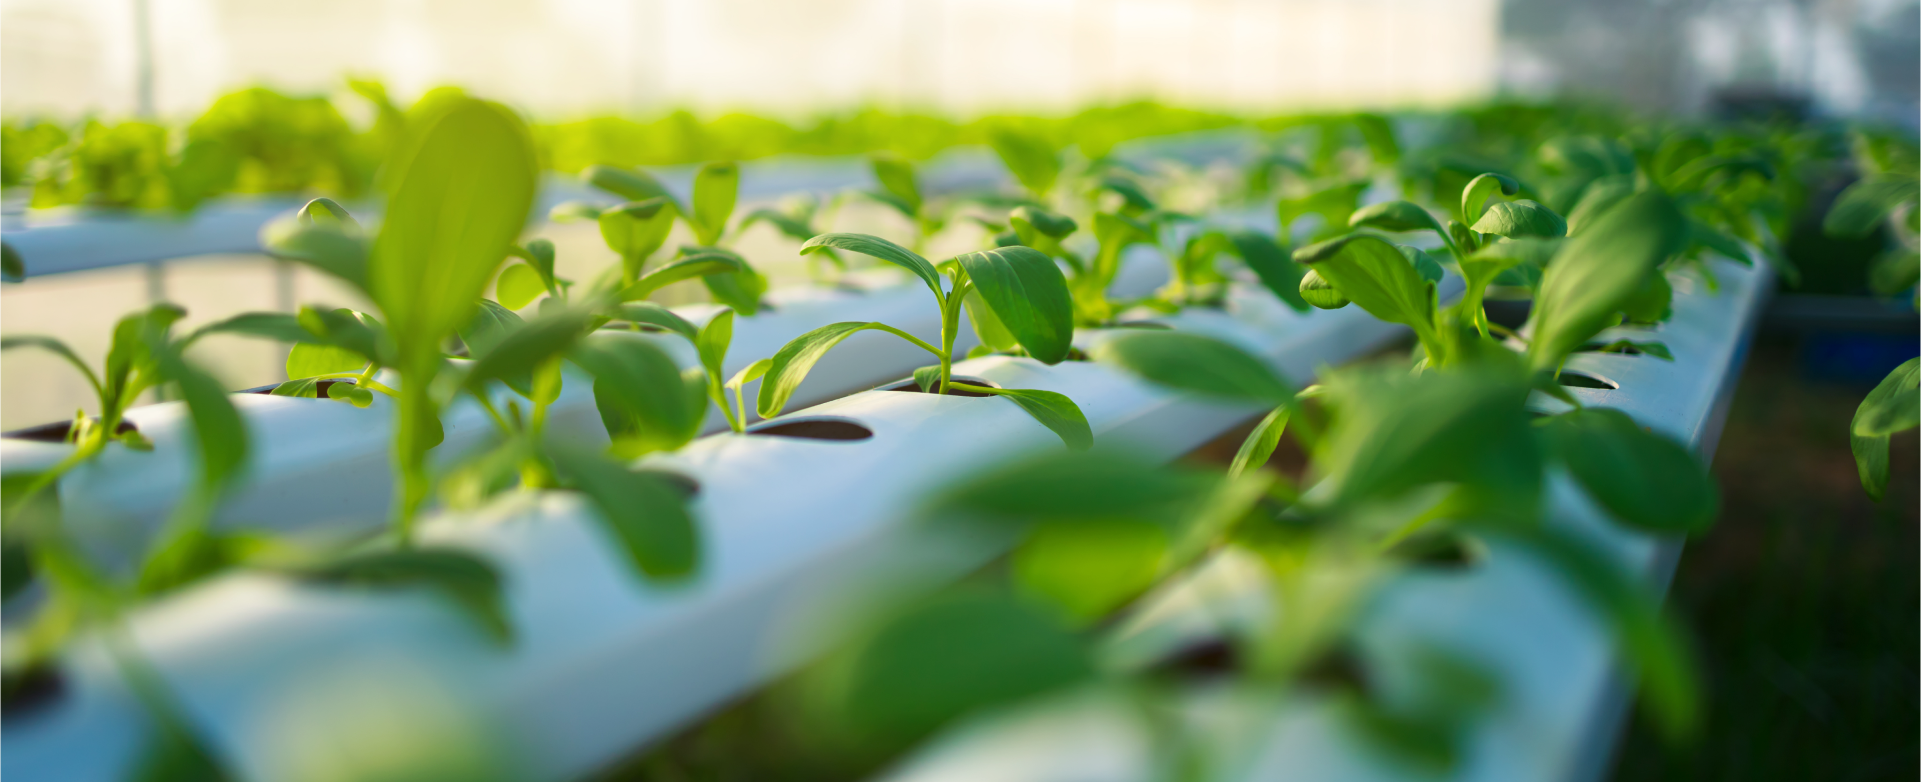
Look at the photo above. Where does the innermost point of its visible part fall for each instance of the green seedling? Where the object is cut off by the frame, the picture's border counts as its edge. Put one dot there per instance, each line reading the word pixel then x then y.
pixel 900 190
pixel 1022 304
pixel 1894 406
pixel 639 228
pixel 797 222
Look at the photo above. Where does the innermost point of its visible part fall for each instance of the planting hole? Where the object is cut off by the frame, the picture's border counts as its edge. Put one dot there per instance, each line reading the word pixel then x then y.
pixel 815 429
pixel 1576 379
pixel 1507 313
pixel 684 484
pixel 914 388
pixel 320 388
pixel 30 689
pixel 1205 659
pixel 1442 551
pixel 57 432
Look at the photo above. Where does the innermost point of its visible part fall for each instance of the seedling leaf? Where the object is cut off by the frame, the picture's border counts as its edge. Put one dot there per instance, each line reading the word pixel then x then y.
pixel 885 250
pixel 1643 479
pixel 1192 362
pixel 1028 294
pixel 643 514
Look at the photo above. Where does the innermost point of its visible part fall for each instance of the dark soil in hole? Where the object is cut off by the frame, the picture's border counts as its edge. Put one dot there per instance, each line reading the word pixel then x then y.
pixel 1206 659
pixel 1575 379
pixel 1508 313
pixel 914 388
pixel 816 429
pixel 1627 349
pixel 28 690
pixel 320 388
pixel 57 432
pixel 1445 551
pixel 682 483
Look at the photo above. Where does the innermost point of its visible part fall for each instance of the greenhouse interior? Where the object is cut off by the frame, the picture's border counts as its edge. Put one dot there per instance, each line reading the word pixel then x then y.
pixel 953 390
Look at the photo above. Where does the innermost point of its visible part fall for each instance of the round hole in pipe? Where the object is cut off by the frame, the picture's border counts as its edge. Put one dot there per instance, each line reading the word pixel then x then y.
pixel 1579 379
pixel 819 428
pixel 682 483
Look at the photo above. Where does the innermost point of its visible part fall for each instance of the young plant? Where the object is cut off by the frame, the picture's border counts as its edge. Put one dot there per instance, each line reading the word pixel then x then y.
pixel 1590 281
pixel 1023 304
pixel 900 190
pixel 797 222
pixel 639 228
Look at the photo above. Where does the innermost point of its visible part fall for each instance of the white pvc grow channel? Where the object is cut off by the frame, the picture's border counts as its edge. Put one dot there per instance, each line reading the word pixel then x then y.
pixel 605 662
pixel 319 462
pixel 1564 694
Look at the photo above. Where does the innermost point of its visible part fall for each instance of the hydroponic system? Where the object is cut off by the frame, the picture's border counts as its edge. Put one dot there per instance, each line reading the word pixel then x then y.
pixel 1144 444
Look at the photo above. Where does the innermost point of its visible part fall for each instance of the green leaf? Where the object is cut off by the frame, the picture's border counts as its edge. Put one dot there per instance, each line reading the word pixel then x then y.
pixel 1395 216
pixel 276 326
pixel 220 437
pixel 653 314
pixel 642 513
pixel 574 211
pixel 1602 195
pixel 885 250
pixel 796 358
pixel 1029 295
pixel 1871 461
pixel 1398 432
pixel 1087 569
pixel 324 247
pixel 1652 302
pixel 491 324
pixel 789 226
pixel 1893 271
pixel 518 286
pixel 631 184
pixel 641 387
pixel 1029 157
pixel 952 655
pixel 538 253
pixel 896 175
pixel 1375 275
pixel 716 186
pixel 1598 270
pixel 713 341
pixel 463 189
pixel 344 328
pixel 1516 219
pixel 1191 362
pixel 750 373
pixel 1643 479
pixel 993 334
pixel 1474 197
pixel 1260 443
pixel 1893 406
pixel 1424 264
pixel 1652 643
pixel 741 291
pixel 636 231
pixel 1318 292
pixel 1048 224
pixel 58 348
pixel 309 360
pixel 173 755
pixel 465 580
pixel 1053 410
pixel 686 268
pixel 516 354
pixel 1335 204
pixel 354 395
pixel 12 267
pixel 1083 485
pixel 1271 263
pixel 1865 204
pixel 328 212
pixel 306 388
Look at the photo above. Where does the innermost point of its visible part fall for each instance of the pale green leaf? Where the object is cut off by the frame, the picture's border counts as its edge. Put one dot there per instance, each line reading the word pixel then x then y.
pixel 518 286
pixel 1029 295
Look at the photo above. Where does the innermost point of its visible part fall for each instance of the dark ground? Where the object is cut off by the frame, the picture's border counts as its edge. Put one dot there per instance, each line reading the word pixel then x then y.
pixel 1803 599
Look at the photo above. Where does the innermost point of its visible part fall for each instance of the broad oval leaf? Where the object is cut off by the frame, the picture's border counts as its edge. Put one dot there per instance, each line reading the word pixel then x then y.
pixel 1641 478
pixel 649 313
pixel 1192 362
pixel 716 186
pixel 518 286
pixel 307 360
pixel 631 184
pixel 713 341
pixel 1521 219
pixel 642 513
pixel 636 230
pixel 1396 216
pixel 953 655
pixel 1052 225
pixel 1894 405
pixel 1029 157
pixel 795 359
pixel 885 250
pixel 1087 569
pixel 1318 292
pixel 463 190
pixel 644 385
pixel 1872 450
pixel 1598 270
pixel 522 350
pixel 491 324
pixel 540 254
pixel 896 175
pixel 1272 265
pixel 347 329
pixel 1861 208
pixel 324 247
pixel 687 268
pixel 1374 274
pixel 1053 410
pixel 1474 197
pixel 1260 443
pixel 1029 295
